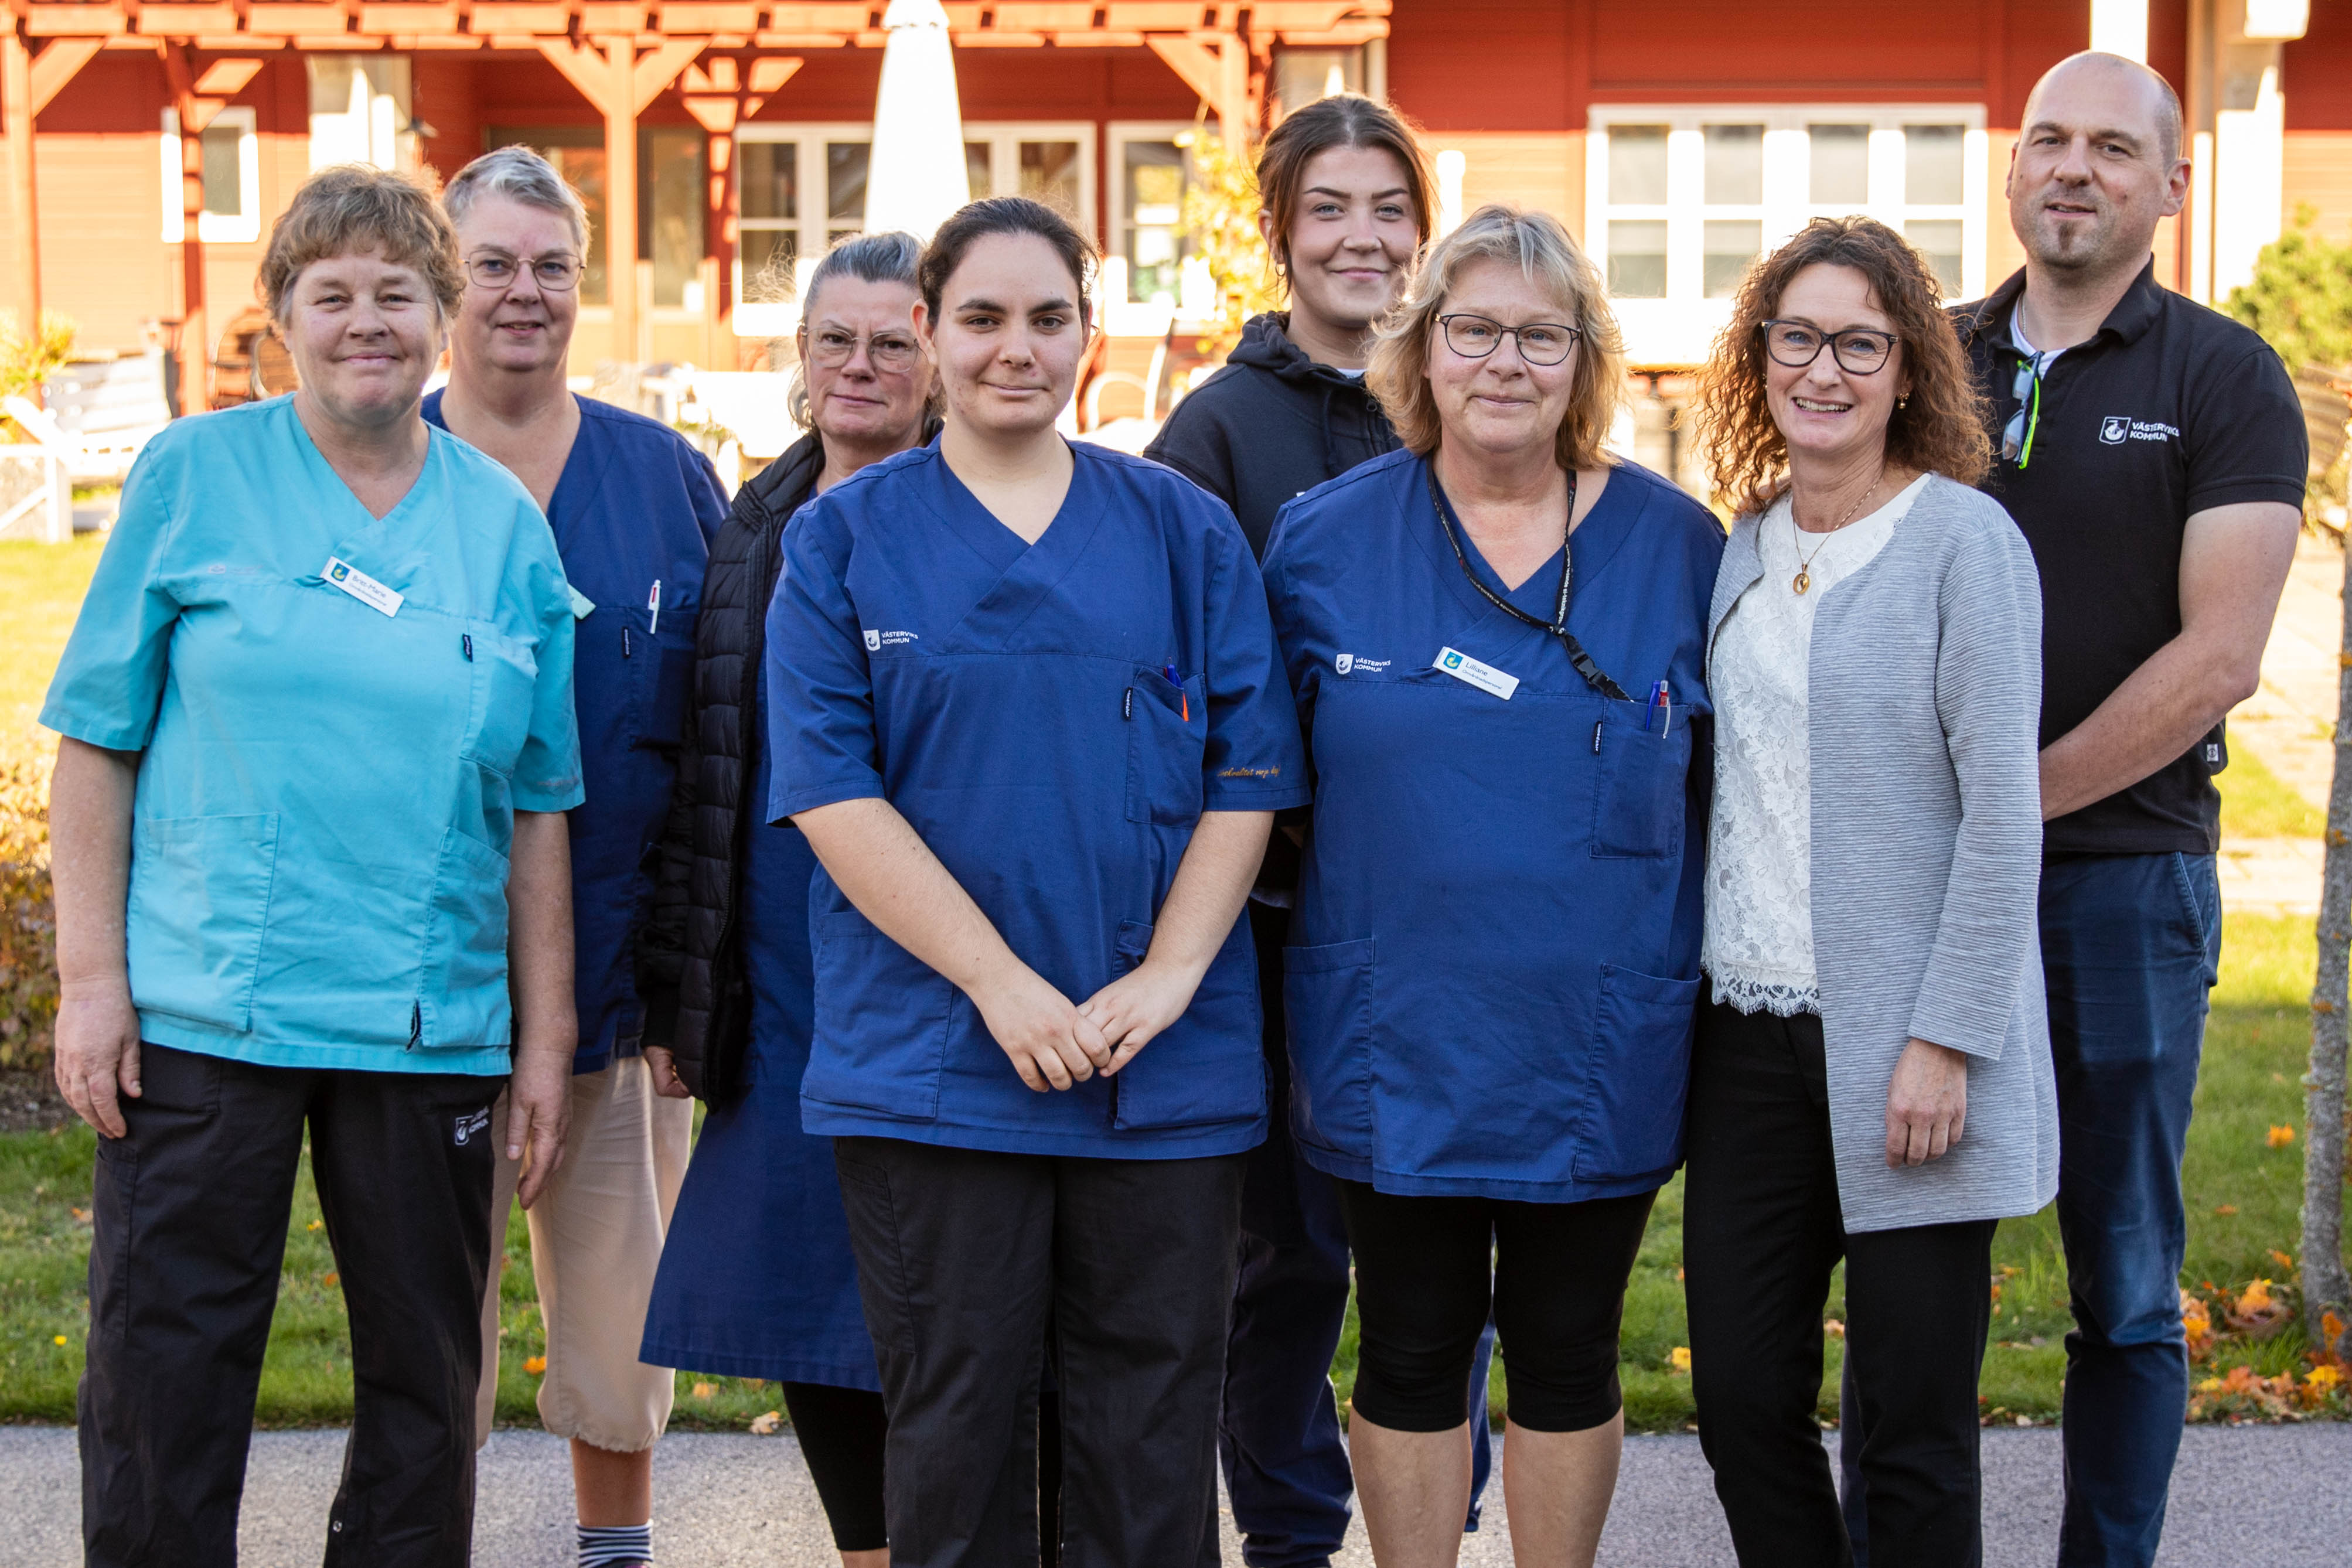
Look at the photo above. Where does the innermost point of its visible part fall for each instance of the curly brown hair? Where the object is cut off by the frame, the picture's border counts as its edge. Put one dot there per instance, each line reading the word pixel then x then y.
pixel 1941 430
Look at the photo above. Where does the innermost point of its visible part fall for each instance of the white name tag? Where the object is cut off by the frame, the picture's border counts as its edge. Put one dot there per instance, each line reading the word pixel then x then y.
pixel 582 606
pixel 1484 677
pixel 360 586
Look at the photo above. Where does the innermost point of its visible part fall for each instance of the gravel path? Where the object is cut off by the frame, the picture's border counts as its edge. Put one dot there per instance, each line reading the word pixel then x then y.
pixel 2271 1495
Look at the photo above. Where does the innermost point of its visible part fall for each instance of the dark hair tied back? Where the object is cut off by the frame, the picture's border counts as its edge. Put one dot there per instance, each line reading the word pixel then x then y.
pixel 1005 215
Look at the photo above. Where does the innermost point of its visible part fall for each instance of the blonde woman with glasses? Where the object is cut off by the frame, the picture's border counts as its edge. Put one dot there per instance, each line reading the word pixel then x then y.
pixel 1495 637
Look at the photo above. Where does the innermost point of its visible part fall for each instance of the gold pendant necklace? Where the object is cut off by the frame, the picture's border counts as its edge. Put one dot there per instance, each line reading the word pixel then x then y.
pixel 1803 581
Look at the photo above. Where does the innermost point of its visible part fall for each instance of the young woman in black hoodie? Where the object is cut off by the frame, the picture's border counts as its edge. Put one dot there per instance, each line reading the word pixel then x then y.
pixel 1347 204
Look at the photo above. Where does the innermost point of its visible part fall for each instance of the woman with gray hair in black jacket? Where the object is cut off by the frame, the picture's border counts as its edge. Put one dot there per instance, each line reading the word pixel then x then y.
pixel 756 1277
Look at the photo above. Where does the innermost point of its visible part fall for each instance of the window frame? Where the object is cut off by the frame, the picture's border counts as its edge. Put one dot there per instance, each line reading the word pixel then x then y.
pixel 775 318
pixel 1679 327
pixel 1123 316
pixel 242 227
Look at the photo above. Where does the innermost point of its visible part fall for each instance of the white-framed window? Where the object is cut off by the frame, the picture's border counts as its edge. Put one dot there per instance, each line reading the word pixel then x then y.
pixel 1054 162
pixel 1149 170
pixel 232 177
pixel 800 187
pixel 1681 199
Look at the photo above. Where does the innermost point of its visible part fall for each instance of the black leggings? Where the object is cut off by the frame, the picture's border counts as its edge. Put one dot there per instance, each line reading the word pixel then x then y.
pixel 841 1431
pixel 1428 1270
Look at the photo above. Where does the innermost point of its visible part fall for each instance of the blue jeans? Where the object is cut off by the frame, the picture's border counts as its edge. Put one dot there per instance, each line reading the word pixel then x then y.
pixel 2131 946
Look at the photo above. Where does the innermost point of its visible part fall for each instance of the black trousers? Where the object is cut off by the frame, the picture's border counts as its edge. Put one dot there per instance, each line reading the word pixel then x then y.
pixel 964 1258
pixel 1761 1232
pixel 1429 1271
pixel 189 1228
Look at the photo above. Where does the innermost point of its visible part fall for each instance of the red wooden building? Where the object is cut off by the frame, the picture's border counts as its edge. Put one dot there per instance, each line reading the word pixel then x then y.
pixel 150 143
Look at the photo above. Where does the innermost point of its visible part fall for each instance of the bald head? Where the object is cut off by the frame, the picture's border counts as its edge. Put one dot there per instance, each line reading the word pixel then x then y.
pixel 2136 101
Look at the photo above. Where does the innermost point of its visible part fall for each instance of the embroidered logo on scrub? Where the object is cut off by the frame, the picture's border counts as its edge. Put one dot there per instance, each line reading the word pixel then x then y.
pixel 2115 429
pixel 1348 663
pixel 470 1122
pixel 875 641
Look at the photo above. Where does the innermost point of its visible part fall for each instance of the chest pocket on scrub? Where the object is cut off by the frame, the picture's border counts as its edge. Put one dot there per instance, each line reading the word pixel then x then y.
pixel 1167 738
pixel 661 674
pixel 1640 797
pixel 505 681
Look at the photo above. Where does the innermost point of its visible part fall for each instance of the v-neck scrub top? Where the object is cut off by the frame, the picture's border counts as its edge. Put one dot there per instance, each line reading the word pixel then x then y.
pixel 1495 967
pixel 325 804
pixel 1013 702
pixel 636 505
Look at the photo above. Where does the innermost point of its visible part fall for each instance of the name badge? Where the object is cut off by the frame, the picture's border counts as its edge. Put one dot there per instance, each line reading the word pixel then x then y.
pixel 1484 677
pixel 582 606
pixel 360 586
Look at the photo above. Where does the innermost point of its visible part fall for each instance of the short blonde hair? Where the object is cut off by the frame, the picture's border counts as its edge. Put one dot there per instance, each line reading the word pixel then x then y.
pixel 353 208
pixel 1548 254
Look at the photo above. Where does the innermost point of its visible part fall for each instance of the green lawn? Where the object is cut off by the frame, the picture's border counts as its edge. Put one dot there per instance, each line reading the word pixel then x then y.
pixel 41 587
pixel 2253 1056
pixel 2255 803
pixel 2244 1195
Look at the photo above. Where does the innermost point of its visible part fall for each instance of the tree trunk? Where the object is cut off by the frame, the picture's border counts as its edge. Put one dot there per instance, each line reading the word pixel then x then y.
pixel 2325 1286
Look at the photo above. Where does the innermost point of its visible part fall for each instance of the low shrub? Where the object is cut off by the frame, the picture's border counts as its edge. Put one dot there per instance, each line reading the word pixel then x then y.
pixel 28 938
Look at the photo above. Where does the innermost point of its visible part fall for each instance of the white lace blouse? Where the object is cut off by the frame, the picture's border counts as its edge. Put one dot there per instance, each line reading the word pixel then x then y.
pixel 1759 942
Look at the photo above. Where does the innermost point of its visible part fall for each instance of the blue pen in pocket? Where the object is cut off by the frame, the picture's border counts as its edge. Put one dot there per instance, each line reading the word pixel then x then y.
pixel 1662 708
pixel 1183 698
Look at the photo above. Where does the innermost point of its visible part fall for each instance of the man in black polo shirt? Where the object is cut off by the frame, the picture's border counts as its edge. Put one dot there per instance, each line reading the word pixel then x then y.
pixel 2153 453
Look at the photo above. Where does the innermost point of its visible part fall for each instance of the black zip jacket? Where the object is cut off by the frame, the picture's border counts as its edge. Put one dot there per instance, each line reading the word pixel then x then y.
pixel 1270 426
pixel 690 970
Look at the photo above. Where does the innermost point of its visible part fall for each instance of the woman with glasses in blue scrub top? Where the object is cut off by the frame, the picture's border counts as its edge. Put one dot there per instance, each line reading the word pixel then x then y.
pixel 632 505
pixel 309 840
pixel 1025 701
pixel 756 1279
pixel 1496 638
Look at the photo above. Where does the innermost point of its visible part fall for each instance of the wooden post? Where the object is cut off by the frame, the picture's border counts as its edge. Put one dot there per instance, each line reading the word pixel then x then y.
pixel 621 195
pixel 195 343
pixel 25 252
pixel 609 74
pixel 2325 1288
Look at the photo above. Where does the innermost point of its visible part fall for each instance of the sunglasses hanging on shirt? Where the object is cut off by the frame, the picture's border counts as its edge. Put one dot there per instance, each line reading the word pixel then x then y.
pixel 1558 625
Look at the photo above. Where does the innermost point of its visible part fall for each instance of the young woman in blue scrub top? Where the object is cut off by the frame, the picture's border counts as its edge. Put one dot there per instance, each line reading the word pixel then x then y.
pixel 1025 703
pixel 1496 638
pixel 757 1279
pixel 309 839
pixel 633 506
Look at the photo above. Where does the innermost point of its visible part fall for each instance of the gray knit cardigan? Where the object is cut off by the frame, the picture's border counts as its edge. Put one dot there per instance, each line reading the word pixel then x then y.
pixel 1924 711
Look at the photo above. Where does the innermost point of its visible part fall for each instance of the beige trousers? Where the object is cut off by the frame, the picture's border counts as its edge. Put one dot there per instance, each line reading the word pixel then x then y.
pixel 595 1240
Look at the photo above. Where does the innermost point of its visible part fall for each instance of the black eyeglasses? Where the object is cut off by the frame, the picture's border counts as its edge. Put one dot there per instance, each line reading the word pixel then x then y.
pixel 1541 342
pixel 556 274
pixel 1858 350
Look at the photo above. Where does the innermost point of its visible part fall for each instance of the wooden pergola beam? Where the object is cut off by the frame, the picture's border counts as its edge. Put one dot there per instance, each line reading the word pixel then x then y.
pixel 611 74
pixel 350 24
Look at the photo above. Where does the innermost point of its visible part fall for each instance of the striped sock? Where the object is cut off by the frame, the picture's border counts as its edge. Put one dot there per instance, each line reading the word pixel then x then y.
pixel 617 1546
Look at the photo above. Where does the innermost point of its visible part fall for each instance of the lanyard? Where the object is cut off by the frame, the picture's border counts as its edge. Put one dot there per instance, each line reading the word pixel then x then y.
pixel 1558 624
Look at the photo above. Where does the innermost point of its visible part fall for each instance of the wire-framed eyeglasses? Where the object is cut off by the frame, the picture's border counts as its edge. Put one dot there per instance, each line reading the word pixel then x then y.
pixel 556 274
pixel 888 353
pixel 1858 350
pixel 1541 342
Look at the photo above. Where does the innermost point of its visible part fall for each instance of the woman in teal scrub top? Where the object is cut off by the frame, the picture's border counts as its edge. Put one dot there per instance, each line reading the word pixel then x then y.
pixel 318 738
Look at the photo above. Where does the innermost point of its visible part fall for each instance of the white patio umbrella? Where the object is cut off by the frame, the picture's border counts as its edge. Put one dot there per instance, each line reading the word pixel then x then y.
pixel 915 178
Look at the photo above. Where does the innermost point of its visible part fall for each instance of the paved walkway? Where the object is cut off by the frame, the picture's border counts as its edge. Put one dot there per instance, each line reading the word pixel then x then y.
pixel 2290 724
pixel 2271 1495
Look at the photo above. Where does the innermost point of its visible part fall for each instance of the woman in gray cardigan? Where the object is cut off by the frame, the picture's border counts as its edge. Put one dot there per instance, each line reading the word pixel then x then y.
pixel 1872 1077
